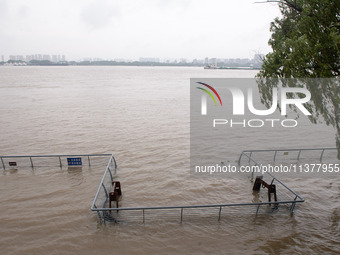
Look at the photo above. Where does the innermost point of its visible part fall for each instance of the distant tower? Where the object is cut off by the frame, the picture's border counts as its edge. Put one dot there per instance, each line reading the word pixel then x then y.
pixel 2 58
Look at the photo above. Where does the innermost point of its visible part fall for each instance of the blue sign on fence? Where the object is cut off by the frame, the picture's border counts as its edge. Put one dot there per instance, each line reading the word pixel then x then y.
pixel 74 161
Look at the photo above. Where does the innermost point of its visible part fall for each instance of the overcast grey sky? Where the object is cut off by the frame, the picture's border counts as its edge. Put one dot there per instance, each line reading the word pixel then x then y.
pixel 136 28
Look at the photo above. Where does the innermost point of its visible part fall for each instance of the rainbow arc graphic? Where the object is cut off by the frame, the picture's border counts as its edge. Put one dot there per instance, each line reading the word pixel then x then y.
pixel 204 99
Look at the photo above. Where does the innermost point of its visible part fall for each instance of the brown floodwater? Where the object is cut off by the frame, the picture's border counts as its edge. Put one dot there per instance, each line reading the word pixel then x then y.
pixel 142 116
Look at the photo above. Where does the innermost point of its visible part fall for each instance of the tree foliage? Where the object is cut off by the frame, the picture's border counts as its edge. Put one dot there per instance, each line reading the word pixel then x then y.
pixel 305 40
pixel 306 44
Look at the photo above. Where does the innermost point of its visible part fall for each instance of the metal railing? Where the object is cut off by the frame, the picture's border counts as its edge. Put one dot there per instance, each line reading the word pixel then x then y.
pixel 179 213
pixel 286 196
pixel 274 178
pixel 104 185
pixel 60 158
pixel 275 151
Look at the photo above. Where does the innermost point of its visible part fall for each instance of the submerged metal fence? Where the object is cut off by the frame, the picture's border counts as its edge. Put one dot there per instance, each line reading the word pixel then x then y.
pixel 299 153
pixel 45 160
pixel 287 198
pixel 282 155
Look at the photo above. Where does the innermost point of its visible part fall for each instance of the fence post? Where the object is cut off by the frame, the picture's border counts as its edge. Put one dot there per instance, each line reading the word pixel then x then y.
pixel 31 162
pixel 3 164
pixel 257 210
pixel 293 205
pixel 298 158
pixel 322 154
pixel 114 160
pixel 108 168
pixel 105 190
pixel 239 159
pixel 219 214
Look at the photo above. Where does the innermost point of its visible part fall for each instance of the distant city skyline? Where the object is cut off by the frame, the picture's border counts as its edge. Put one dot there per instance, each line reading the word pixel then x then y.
pixel 131 29
pixel 62 58
pixel 27 58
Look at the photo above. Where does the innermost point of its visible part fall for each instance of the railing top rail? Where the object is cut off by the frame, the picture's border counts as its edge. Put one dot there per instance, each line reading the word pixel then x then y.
pixel 57 155
pixel 250 158
pixel 294 149
pixel 194 206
